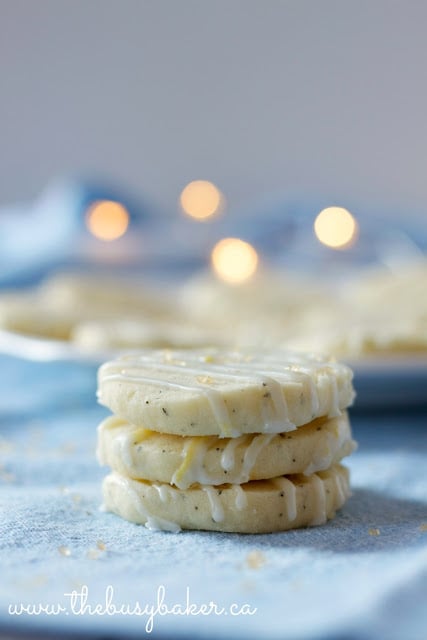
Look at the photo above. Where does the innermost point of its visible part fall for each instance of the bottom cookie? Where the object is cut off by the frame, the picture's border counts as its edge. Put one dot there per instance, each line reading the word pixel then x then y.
pixel 259 506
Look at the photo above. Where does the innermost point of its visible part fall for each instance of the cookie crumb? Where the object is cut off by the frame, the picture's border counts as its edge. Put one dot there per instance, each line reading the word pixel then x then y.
pixel 205 379
pixel 374 532
pixel 101 545
pixel 63 489
pixel 255 559
pixel 64 551
pixel 423 527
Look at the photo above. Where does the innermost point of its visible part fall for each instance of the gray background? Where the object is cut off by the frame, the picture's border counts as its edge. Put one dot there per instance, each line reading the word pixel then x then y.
pixel 323 97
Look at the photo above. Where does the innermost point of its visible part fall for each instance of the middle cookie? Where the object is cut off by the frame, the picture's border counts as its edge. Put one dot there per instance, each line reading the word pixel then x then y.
pixel 186 460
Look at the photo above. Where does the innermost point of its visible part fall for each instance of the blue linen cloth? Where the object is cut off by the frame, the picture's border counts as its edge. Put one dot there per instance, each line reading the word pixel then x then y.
pixel 362 575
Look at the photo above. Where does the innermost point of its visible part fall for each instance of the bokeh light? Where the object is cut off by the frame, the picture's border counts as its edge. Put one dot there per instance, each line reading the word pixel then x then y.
pixel 107 220
pixel 201 199
pixel 336 227
pixel 234 260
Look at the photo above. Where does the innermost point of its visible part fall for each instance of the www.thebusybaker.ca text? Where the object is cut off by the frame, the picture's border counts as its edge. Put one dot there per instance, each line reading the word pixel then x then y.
pixel 79 605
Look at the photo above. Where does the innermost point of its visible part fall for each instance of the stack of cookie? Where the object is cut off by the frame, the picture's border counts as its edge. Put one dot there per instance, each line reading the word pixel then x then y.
pixel 245 441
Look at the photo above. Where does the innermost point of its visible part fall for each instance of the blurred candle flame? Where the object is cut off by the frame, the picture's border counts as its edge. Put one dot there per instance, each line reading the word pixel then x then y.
pixel 201 199
pixel 107 220
pixel 234 260
pixel 335 227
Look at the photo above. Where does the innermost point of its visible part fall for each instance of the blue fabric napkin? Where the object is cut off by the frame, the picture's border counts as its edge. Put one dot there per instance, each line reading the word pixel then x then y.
pixel 363 575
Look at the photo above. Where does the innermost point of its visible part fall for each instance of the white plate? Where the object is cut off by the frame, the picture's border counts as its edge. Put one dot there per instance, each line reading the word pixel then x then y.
pixel 46 350
pixel 379 382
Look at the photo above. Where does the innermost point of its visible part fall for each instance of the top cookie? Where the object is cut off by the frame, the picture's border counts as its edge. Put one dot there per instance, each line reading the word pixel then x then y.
pixel 224 393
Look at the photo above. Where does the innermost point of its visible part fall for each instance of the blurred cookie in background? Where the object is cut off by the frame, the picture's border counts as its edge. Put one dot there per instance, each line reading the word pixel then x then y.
pixel 377 313
pixel 60 303
pixel 131 333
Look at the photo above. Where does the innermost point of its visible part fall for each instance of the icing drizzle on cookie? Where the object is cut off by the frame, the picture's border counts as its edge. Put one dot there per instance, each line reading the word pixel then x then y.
pixel 290 494
pixel 319 500
pixel 151 521
pixel 211 372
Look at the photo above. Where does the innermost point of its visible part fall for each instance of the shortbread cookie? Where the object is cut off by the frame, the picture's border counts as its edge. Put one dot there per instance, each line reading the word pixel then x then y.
pixel 261 312
pixel 403 289
pixel 55 307
pixel 102 294
pixel 381 313
pixel 262 506
pixel 224 393
pixel 138 453
pixel 23 313
pixel 380 335
pixel 141 333
pixel 267 293
pixel 361 333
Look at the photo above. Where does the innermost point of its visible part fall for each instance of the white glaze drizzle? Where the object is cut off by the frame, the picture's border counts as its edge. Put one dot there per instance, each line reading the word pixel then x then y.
pixel 241 499
pixel 308 376
pixel 176 480
pixel 163 491
pixel 217 510
pixel 106 425
pixel 236 367
pixel 251 453
pixel 337 450
pixel 229 451
pixel 328 370
pixel 281 421
pixel 151 522
pixel 280 405
pixel 335 400
pixel 122 444
pixel 319 502
pixel 191 470
pixel 333 437
pixel 214 397
pixel 319 463
pixel 193 461
pixel 288 372
pixel 316 364
pixel 290 492
pixel 340 489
